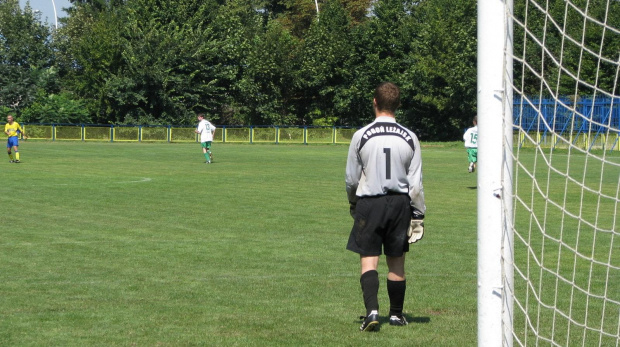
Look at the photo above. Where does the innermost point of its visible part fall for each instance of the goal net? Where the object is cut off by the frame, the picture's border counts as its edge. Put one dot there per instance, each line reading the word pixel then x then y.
pixel 566 174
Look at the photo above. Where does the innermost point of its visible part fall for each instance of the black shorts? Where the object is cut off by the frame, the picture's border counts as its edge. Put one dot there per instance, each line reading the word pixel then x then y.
pixel 381 221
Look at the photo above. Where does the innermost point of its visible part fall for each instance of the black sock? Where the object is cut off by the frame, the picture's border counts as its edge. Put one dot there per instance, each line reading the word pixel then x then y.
pixel 370 287
pixel 396 292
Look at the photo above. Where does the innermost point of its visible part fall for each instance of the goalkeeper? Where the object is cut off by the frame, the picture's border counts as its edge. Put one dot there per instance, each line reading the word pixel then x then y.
pixel 386 197
pixel 11 129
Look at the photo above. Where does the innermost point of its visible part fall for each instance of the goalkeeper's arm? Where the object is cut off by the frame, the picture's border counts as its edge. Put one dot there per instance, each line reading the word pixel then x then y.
pixel 352 206
pixel 416 227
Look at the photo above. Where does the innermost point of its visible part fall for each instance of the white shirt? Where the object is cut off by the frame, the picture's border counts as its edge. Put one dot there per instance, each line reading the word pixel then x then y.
pixel 206 130
pixel 384 157
pixel 471 137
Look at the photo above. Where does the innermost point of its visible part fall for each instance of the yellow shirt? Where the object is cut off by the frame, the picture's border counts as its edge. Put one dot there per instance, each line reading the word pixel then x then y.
pixel 13 128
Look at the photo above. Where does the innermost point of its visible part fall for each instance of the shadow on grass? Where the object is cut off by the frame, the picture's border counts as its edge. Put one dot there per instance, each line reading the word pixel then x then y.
pixel 385 320
pixel 418 320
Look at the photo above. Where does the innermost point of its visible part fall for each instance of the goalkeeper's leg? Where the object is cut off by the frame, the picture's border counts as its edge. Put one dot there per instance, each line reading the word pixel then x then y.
pixel 370 288
pixel 370 282
pixel 396 287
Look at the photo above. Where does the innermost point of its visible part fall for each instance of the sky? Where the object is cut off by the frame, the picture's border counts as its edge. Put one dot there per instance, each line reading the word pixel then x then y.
pixel 47 8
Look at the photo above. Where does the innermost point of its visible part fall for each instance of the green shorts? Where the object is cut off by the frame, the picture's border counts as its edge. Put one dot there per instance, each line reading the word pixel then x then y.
pixel 206 145
pixel 472 155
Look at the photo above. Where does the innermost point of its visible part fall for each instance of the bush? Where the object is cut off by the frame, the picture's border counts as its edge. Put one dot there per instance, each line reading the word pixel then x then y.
pixel 56 108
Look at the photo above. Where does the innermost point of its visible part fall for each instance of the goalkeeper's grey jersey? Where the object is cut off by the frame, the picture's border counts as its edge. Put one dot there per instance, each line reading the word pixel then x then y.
pixel 384 157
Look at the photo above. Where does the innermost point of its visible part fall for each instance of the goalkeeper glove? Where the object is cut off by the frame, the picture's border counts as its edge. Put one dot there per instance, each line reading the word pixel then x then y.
pixel 416 230
pixel 416 227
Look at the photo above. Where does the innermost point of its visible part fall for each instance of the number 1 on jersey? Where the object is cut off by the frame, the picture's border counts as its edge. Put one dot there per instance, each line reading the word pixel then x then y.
pixel 388 161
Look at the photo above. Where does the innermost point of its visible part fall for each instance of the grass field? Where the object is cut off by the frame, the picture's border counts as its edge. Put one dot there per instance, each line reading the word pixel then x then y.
pixel 117 244
pixel 567 254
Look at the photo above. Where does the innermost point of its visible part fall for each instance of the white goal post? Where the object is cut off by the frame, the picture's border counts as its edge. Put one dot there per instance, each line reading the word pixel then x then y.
pixel 548 173
pixel 494 173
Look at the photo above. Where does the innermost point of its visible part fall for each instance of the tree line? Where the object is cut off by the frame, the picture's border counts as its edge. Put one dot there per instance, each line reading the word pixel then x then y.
pixel 241 62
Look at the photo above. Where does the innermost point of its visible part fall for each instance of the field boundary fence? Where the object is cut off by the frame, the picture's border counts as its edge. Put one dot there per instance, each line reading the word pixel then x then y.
pixel 588 123
pixel 170 133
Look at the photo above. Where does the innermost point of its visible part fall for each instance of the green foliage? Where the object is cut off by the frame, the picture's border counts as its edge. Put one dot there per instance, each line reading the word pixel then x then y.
pixel 379 53
pixel 25 55
pixel 4 111
pixel 441 79
pixel 151 60
pixel 297 15
pixel 262 62
pixel 324 57
pixel 267 84
pixel 325 121
pixel 91 46
pixel 591 53
pixel 56 108
pixel 237 28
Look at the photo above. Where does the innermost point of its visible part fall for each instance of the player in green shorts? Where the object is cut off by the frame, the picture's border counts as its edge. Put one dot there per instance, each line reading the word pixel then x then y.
pixel 471 145
pixel 206 131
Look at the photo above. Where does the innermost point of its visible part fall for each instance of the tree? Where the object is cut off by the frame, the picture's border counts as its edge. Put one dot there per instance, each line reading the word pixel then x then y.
pixel 249 62
pixel 26 59
pixel 324 56
pixel 586 49
pixel 267 87
pixel 380 52
pixel 89 48
pixel 441 78
pixel 61 108
pixel 144 61
pixel 176 44
pixel 237 26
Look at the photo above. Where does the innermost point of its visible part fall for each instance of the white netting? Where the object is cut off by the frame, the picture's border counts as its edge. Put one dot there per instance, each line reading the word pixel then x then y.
pixel 566 173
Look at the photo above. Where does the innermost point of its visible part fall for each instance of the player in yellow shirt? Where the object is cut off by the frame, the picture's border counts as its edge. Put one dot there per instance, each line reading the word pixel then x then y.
pixel 11 129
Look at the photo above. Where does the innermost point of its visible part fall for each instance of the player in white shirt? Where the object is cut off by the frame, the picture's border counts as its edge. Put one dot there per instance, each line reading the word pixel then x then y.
pixel 206 131
pixel 386 197
pixel 471 145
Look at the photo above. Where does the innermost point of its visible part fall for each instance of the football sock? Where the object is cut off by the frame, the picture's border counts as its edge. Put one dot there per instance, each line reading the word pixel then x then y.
pixel 207 157
pixel 10 156
pixel 396 292
pixel 370 288
pixel 16 155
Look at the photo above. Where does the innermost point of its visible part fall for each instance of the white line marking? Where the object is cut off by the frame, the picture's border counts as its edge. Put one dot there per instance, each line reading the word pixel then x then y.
pixel 140 180
pixel 143 179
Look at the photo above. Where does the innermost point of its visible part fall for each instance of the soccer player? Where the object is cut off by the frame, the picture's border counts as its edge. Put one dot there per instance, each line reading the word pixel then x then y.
pixel 471 145
pixel 11 129
pixel 206 131
pixel 384 187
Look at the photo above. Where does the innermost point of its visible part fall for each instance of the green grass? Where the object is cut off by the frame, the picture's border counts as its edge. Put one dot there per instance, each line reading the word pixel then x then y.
pixel 571 265
pixel 117 244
